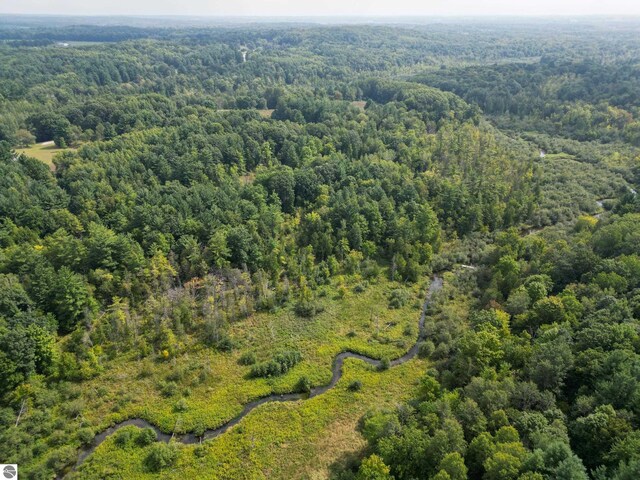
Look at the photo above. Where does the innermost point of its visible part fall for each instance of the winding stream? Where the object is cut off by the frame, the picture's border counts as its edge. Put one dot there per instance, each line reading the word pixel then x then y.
pixel 190 438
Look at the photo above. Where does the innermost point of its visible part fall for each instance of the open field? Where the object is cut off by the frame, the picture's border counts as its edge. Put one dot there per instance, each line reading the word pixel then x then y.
pixel 44 152
pixel 266 113
pixel 304 439
pixel 210 388
pixel 216 386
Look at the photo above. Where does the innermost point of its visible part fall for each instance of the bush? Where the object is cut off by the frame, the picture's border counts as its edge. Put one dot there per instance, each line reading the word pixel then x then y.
pixel 359 288
pixel 168 389
pixel 59 437
pixel 370 270
pixel 85 435
pixel 200 451
pixel 398 298
pixel 426 349
pixel 122 437
pixel 146 437
pixel 303 385
pixel 61 458
pixel 306 308
pixel 181 406
pixel 145 371
pixel 280 364
pixel 24 138
pixel 385 363
pixel 202 375
pixel 247 358
pixel 265 369
pixel 161 456
pixel 198 429
pixel 442 351
pixel 176 375
pixel 73 409
pixel 355 386
pixel 225 344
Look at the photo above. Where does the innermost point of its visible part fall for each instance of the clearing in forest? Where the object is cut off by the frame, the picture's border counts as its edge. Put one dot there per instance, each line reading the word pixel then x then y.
pixel 44 152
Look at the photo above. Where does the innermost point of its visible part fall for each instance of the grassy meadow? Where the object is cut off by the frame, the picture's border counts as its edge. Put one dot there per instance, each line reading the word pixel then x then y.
pixel 44 152
pixel 307 439
pixel 200 388
pixel 303 439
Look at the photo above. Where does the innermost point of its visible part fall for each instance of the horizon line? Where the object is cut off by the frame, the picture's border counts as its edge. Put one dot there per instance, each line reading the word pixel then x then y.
pixel 353 16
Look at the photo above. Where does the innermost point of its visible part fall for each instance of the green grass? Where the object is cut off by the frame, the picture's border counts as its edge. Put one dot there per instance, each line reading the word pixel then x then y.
pixel 266 113
pixel 276 440
pixel 559 156
pixel 44 152
pixel 303 439
pixel 212 388
pixel 216 387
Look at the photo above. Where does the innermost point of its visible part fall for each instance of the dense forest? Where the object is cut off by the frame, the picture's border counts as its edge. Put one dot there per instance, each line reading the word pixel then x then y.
pixel 193 218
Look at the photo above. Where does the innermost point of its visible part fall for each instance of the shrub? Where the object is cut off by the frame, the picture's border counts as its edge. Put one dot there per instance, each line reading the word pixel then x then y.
pixel 146 437
pixel 40 449
pixel 200 451
pixel 442 351
pixel 266 302
pixel 265 369
pixel 145 371
pixel 303 385
pixel 59 437
pixel 168 389
pixel 73 409
pixel 176 375
pixel 359 288
pixel 398 298
pixel 181 405
pixel 61 458
pixel 225 344
pixel 280 364
pixel 408 331
pixel 199 429
pixel 247 358
pixel 161 456
pixel 355 386
pixel 307 308
pixel 85 435
pixel 426 349
pixel 374 467
pixel 385 363
pixel 122 437
pixel 370 270
pixel 202 375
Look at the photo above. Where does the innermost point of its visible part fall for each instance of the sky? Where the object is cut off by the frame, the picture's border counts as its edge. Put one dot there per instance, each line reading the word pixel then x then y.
pixel 322 7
